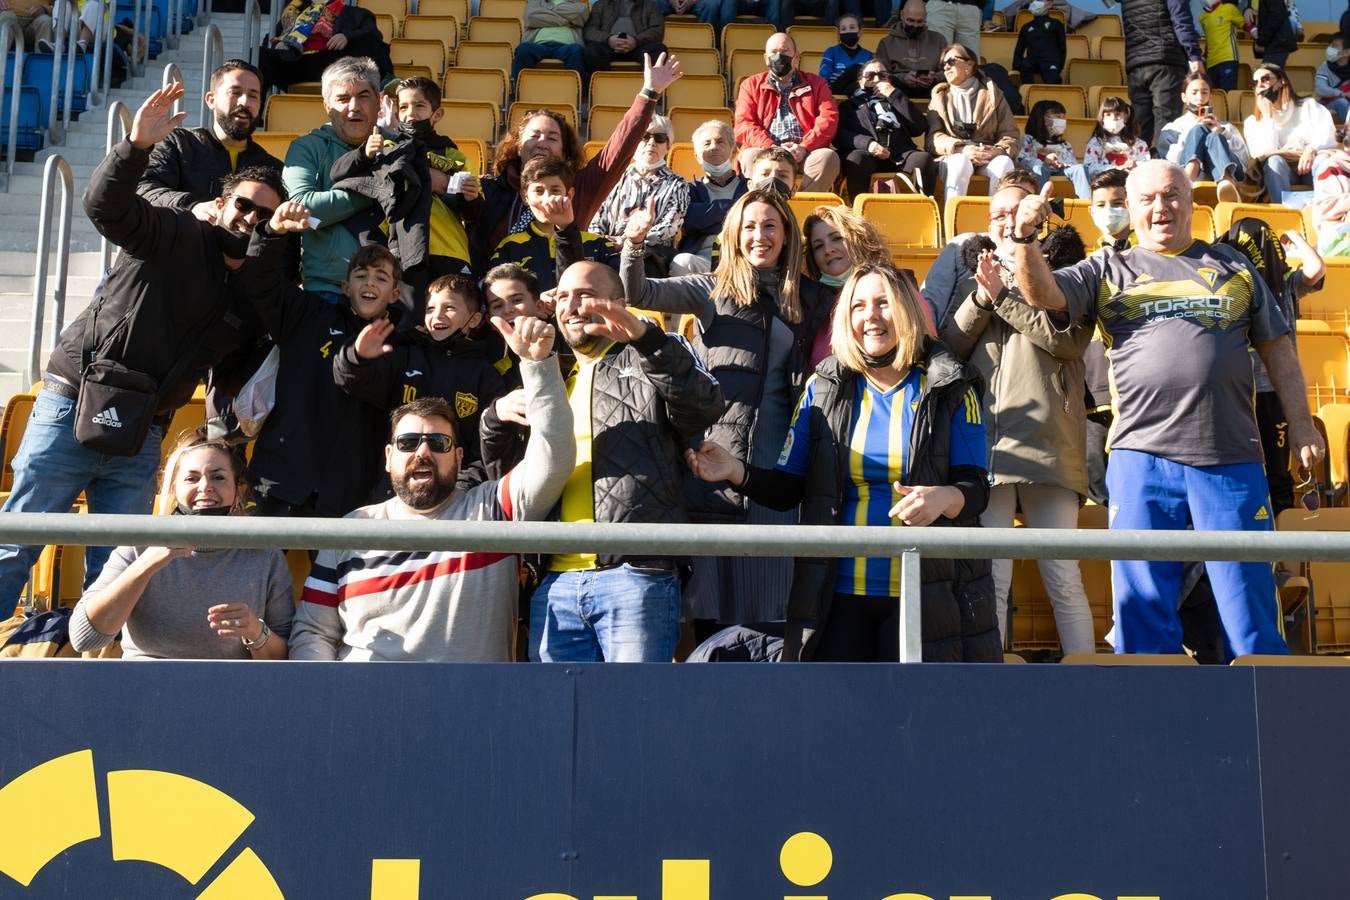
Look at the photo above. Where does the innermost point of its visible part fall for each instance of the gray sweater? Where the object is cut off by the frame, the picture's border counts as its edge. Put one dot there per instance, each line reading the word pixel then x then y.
pixel 169 621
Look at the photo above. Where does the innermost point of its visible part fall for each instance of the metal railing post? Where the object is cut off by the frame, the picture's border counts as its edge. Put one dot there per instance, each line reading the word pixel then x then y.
pixel 56 164
pixel 252 21
pixel 109 22
pixel 171 73
pixel 273 16
pixel 203 11
pixel 911 630
pixel 97 86
pixel 213 54
pixel 136 66
pixel 8 35
pixel 54 133
pixel 173 34
pixel 119 124
pixel 72 39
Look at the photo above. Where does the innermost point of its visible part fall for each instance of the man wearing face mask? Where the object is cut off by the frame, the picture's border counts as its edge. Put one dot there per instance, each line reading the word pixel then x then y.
pixel 877 129
pixel 912 52
pixel 792 109
pixel 710 197
pixel 187 168
pixel 168 309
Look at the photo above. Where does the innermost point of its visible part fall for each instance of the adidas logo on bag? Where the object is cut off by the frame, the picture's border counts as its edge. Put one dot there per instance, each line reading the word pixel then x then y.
pixel 108 418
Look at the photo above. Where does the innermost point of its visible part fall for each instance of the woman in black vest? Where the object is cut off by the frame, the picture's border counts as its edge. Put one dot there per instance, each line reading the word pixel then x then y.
pixel 754 317
pixel 888 432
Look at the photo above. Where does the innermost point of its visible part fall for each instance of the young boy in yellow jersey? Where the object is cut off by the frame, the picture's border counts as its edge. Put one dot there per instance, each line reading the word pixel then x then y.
pixel 1221 21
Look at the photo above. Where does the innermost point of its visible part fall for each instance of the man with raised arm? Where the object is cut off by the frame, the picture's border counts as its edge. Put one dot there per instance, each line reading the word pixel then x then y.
pixel 1180 317
pixel 443 605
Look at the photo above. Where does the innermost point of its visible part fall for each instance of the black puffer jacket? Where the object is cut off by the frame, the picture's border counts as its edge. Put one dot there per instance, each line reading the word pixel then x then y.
pixel 957 595
pixel 1159 31
pixel 190 165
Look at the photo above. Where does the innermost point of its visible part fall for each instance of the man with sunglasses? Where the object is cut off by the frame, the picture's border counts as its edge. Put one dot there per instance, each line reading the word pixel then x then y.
pixel 443 605
pixel 167 309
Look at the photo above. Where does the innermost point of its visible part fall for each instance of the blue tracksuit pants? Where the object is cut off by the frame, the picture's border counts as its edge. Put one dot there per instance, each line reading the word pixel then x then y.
pixel 1150 492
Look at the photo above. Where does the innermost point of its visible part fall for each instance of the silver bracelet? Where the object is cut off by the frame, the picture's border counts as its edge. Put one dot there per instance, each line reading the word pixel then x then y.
pixel 261 639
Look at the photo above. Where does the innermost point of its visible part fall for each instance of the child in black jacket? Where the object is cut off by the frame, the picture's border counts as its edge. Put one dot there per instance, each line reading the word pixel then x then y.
pixel 1042 46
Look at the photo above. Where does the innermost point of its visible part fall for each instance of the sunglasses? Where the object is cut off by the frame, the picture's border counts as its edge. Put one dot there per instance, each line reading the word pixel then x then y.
pixel 1264 79
pixel 246 206
pixel 438 443
pixel 657 136
pixel 953 60
pixel 870 76
pixel 1309 493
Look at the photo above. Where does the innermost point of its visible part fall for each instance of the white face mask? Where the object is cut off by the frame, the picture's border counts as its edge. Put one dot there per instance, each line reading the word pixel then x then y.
pixel 1111 220
pixel 1333 54
pixel 1056 126
pixel 716 170
pixel 1037 8
pixel 1113 125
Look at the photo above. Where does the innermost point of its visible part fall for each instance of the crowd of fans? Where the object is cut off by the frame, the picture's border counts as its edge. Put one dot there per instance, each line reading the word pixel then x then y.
pixel 393 336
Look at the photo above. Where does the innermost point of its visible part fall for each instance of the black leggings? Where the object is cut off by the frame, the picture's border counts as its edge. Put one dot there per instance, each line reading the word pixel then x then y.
pixel 1274 431
pixel 860 629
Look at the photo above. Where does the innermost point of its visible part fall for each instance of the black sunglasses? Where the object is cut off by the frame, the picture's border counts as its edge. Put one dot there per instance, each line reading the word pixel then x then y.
pixel 408 443
pixel 953 60
pixel 246 206
pixel 658 136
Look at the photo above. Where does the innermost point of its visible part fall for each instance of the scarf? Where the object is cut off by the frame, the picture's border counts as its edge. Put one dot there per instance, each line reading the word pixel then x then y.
pixel 306 26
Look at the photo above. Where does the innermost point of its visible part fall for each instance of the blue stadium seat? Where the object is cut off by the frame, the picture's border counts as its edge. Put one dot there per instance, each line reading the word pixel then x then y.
pixel 30 118
pixel 37 71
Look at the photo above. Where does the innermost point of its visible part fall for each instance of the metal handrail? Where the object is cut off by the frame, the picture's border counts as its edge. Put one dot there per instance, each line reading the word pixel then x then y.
pixel 173 73
pixel 119 125
pixel 9 33
pixel 273 16
pixel 173 32
pixel 109 43
pixel 137 66
pixel 213 54
pixel 64 15
pixel 203 12
pixel 56 164
pixel 683 540
pixel 96 82
pixel 252 24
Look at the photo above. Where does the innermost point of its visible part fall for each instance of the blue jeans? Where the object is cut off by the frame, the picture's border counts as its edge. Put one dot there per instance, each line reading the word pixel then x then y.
pixel 1210 150
pixel 1224 76
pixel 719 12
pixel 622 614
pixel 1077 174
pixel 1150 492
pixel 50 470
pixel 1338 108
pixel 528 55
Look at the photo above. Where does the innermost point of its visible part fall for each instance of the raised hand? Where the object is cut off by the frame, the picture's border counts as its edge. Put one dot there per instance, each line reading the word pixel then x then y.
pixel 713 462
pixel 989 279
pixel 1032 212
pixel 370 343
pixel 659 75
pixel 156 118
pixel 922 504
pixel 291 216
pixel 374 143
pixel 617 322
pixel 528 337
pixel 640 223
pixel 558 211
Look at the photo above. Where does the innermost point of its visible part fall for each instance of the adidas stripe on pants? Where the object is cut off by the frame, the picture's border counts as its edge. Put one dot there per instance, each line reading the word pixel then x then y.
pixel 1150 492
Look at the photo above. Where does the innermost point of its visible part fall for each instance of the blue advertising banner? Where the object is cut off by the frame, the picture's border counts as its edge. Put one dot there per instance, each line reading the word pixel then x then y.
pixel 716 782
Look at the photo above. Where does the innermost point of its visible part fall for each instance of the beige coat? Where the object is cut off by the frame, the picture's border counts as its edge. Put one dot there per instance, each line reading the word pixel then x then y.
pixel 1034 401
pixel 994 122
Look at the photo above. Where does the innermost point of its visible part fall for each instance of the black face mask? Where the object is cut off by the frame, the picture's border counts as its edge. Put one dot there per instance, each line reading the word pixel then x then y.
pixel 420 130
pixel 780 64
pixel 181 510
pixel 1273 92
pixel 849 40
pixel 877 362
pixel 915 31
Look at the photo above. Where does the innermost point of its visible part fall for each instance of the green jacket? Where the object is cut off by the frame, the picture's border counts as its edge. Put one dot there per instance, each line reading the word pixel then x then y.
pixel 308 180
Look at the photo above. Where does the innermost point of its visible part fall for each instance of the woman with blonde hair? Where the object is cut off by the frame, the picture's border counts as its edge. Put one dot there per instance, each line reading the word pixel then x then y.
pixel 838 240
pixel 887 432
pixel 181 603
pixel 754 317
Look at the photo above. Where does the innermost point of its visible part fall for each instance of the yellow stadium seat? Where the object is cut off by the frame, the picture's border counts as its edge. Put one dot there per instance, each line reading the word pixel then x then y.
pixel 494 55
pixel 871 37
pixel 1279 217
pixel 1202 223
pixel 997 47
pixel 387 25
pixel 404 71
pixel 591 149
pixel 965 214
pixel 1240 105
pixel 1094 71
pixel 1073 97
pixel 615 88
pixel 811 61
pixel 188 418
pixel 1336 418
pixel 489 30
pixel 519 110
pixel 904 220
pixel 697 90
pixel 1109 46
pixel 816 38
pixel 1219 100
pixel 1302 78
pixel 1024 16
pixel 296 113
pixel 1099 92
pixel 548 87
pixel 1076 46
pixel 12 427
pixel 685 119
pixel 700 61
pixel 917 259
pixel 428 53
pixel 502 9
pixel 1078 214
pixel 684 162
pixel 745 36
pixel 1128 659
pixel 1332 303
pixel 474 149
pixel 433 28
pixel 681 36
pixel 298 563
pixel 274 142
pixel 604 120
pixel 472 118
pixel 803 203
pixel 1330 582
pixel 1322 352
pixel 1102 24
pixel 741 64
pixel 457 8
pixel 398 9
pixel 1077 131
pixel 1308 53
pixel 476 84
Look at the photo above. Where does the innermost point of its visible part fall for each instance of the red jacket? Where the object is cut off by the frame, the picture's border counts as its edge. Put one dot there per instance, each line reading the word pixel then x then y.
pixel 811 101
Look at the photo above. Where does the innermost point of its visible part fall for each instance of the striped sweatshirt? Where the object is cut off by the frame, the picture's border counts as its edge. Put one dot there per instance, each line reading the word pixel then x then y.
pixel 443 605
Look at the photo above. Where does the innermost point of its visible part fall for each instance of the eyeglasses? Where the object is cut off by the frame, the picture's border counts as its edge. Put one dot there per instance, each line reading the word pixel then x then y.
pixel 1309 493
pixel 659 137
pixel 246 206
pixel 438 443
pixel 953 60
pixel 870 76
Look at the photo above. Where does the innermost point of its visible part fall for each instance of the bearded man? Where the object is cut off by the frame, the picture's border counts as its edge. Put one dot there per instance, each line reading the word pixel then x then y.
pixel 442 605
pixel 187 168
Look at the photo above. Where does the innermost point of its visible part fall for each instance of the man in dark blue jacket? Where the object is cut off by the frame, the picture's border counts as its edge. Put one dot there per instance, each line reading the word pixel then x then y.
pixel 1161 43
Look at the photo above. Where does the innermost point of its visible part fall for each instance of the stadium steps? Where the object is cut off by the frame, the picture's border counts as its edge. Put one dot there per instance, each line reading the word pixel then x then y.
pixel 83 149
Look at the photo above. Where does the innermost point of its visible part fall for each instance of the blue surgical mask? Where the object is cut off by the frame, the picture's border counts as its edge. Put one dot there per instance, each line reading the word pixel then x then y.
pixel 835 280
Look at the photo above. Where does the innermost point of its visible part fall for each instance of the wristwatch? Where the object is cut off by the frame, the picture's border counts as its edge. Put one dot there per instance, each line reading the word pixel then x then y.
pixel 261 640
pixel 650 94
